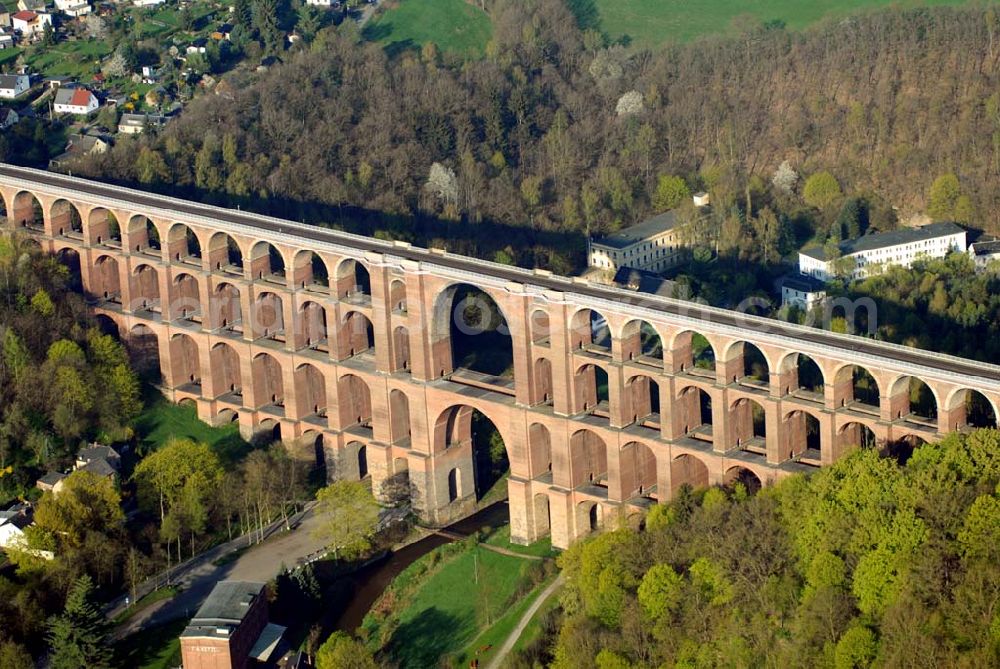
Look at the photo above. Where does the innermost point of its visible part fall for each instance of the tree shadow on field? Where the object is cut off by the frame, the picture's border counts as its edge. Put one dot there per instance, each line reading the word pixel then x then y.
pixel 585 11
pixel 423 641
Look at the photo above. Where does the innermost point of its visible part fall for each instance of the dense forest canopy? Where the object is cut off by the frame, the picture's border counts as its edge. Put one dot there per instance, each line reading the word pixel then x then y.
pixel 540 137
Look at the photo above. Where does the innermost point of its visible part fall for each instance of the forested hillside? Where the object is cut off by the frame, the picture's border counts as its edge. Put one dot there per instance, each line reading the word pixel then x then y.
pixel 538 136
pixel 864 563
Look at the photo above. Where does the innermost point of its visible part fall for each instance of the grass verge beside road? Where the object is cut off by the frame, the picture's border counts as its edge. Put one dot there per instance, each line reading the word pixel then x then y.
pixel 157 595
pixel 153 648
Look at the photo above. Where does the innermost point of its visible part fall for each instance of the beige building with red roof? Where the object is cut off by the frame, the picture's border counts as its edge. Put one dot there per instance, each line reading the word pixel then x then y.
pixel 78 101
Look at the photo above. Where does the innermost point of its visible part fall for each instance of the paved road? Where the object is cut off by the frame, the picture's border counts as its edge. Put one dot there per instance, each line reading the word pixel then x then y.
pixel 261 563
pixel 24 177
pixel 516 633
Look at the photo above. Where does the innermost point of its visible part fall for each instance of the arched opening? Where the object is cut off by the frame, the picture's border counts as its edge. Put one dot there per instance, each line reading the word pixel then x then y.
pixel 268 317
pixel 70 259
pixel 312 332
pixel 694 409
pixel 637 465
pixel 355 401
pixel 856 388
pixel 856 434
pixel 145 289
pixel 362 462
pixel 454 487
pixel 692 353
pixel 642 343
pixel 542 514
pixel 902 449
pixel 267 432
pixel 470 333
pixel 185 361
pixel 227 373
pixel 543 381
pixel 103 228
pixel 540 330
pixel 397 296
pixel 107 326
pixel 687 470
pixel 588 459
pixel 970 408
pixel 106 280
pixel 310 394
pixel 227 308
pixel 749 425
pixel 224 254
pixel 183 245
pixel 399 417
pixel 267 263
pixel 912 399
pixel 643 395
pixel 473 440
pixel 354 284
pixel 746 364
pixel 591 385
pixel 144 352
pixel 186 301
pixel 400 349
pixel 802 437
pixel 66 219
pixel 589 331
pixel 589 517
pixel 143 236
pixel 310 272
pixel 802 377
pixel 269 389
pixel 539 451
pixel 744 477
pixel 28 212
pixel 357 335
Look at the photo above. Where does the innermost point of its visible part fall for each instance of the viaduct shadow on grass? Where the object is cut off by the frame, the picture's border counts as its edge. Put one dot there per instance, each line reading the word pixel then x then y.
pixel 421 642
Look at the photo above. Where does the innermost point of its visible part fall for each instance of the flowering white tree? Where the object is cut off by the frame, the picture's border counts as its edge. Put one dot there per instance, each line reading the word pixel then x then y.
pixel 630 103
pixel 785 178
pixel 442 182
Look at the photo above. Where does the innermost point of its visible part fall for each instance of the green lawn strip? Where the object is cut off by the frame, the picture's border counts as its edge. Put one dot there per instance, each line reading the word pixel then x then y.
pixel 501 538
pixel 152 648
pixel 453 25
pixel 162 420
pixel 533 629
pixel 157 595
pixel 650 23
pixel 495 635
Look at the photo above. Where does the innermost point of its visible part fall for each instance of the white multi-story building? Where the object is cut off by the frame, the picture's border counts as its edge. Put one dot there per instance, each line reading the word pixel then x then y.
pixel 652 246
pixel 869 254
pixel 75 8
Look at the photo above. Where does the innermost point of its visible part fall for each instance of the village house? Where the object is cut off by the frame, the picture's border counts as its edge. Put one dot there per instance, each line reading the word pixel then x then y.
pixel 8 117
pixel 6 40
pixel 80 145
pixel 13 85
pixel 29 23
pixel 12 524
pixel 74 8
pixel 51 482
pixel 133 124
pixel 985 253
pixel 79 101
pixel 31 5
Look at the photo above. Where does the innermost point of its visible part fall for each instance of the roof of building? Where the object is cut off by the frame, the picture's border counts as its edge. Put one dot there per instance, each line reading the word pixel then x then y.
pixel 883 240
pixel 25 15
pixel 51 478
pixel 649 228
pixel 97 452
pixel 100 467
pixel 988 248
pixel 803 282
pixel 10 80
pixel 644 282
pixel 224 609
pixel 140 120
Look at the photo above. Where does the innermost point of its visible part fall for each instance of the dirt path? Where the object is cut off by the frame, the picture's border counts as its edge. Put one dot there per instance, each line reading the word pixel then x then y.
pixel 515 634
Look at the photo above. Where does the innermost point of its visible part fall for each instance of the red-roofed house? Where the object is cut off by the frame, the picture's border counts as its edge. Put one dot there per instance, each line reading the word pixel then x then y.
pixel 75 101
pixel 30 23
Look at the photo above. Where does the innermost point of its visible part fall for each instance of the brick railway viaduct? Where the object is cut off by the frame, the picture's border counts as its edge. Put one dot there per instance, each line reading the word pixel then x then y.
pixel 344 343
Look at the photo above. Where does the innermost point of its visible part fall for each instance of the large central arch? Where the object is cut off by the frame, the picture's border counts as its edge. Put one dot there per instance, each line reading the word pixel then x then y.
pixel 470 331
pixel 471 443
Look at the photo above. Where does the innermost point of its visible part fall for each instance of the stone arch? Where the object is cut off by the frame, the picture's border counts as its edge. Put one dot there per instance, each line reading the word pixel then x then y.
pixel 356 454
pixel 144 351
pixel 687 470
pixel 855 386
pixel 642 342
pixel 694 410
pixel 66 219
pixel 225 254
pixel 353 281
pixel 103 228
pixel 309 271
pixel 27 211
pixel 400 429
pixel 355 401
pixel 589 517
pixel 543 381
pixel 542 514
pixel 588 459
pixel 185 361
pixel 746 363
pixel 269 316
pixel 227 372
pixel 637 468
pixel 748 422
pixel 745 476
pixel 463 433
pixel 69 258
pixel 267 263
pixel 591 389
pixel 541 331
pixel 912 397
pixel 455 491
pixel 643 397
pixel 183 244
pixel 357 334
pixel 145 289
pixel 105 279
pixel 397 296
pixel 227 308
pixel 310 391
pixel 268 381
pixel 590 331
pixel 108 326
pixel 801 432
pixel 539 450
pixel 693 353
pixel 142 235
pixel 801 375
pixel 969 408
pixel 186 298
pixel 401 349
pixel 312 329
pixel 856 434
pixel 469 330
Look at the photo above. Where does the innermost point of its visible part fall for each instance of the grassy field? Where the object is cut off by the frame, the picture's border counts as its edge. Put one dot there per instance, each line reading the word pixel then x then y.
pixel 653 22
pixel 453 25
pixel 162 420
pixel 153 648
